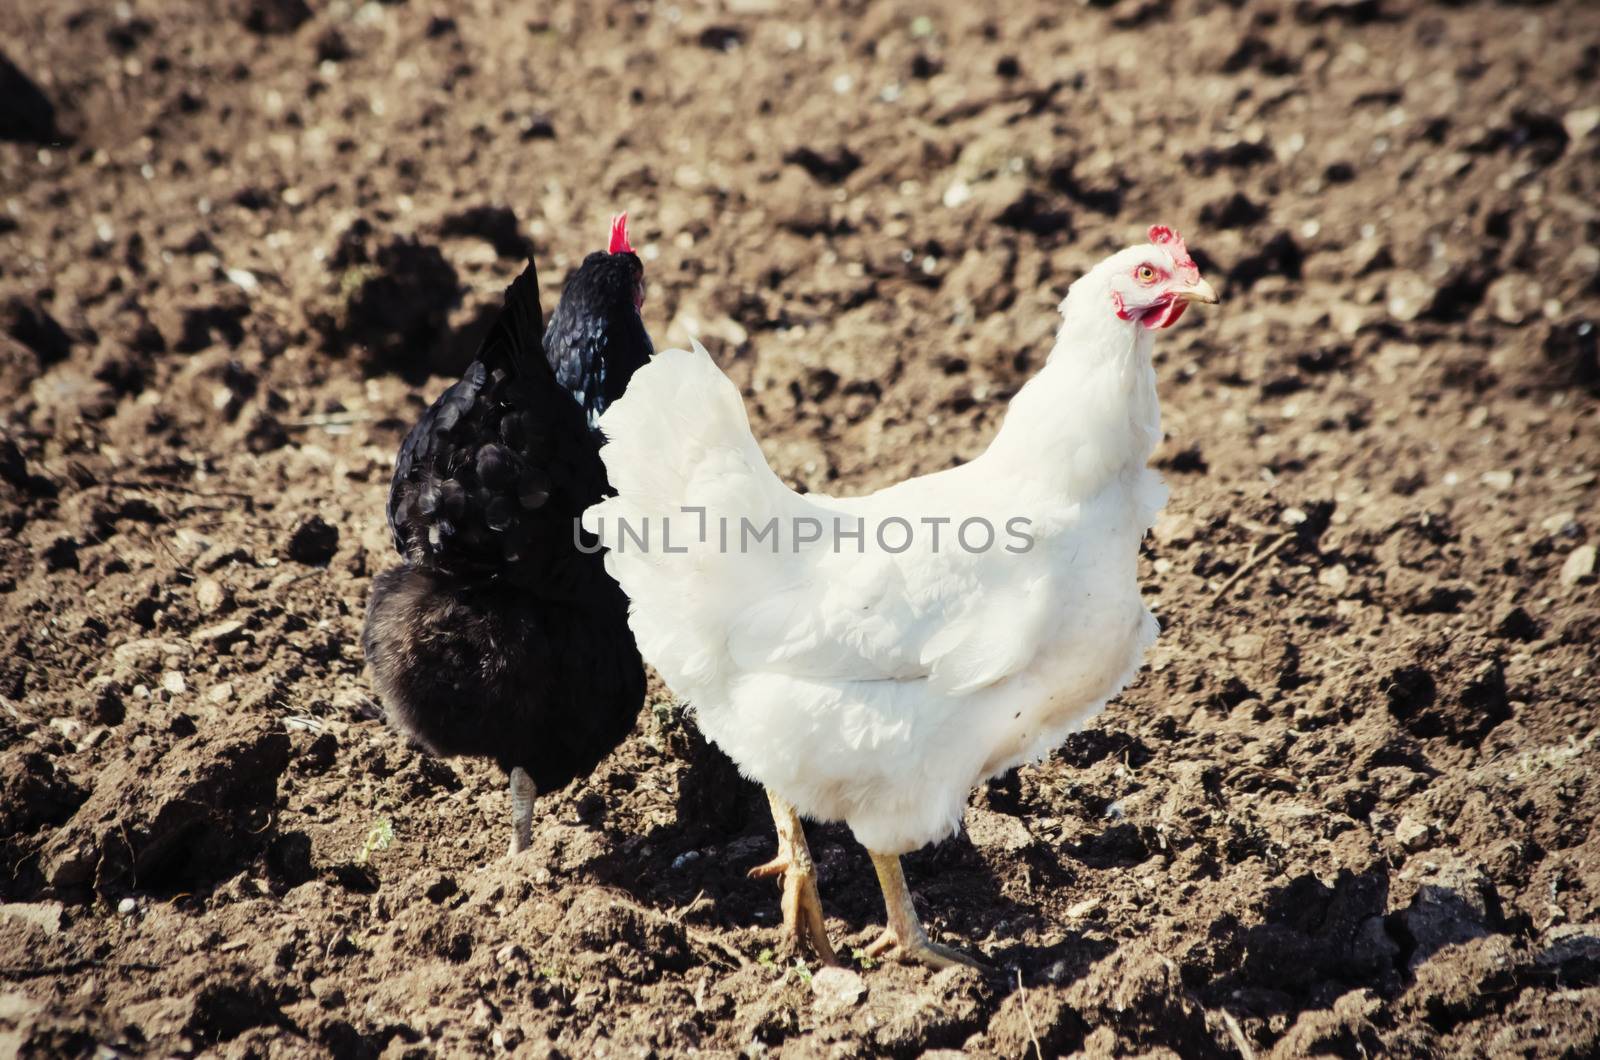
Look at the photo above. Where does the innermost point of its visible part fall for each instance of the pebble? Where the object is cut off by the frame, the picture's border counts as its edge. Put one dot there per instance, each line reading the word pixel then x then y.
pixel 996 831
pixel 1079 910
pixel 836 989
pixel 69 728
pixel 174 683
pixel 127 907
pixel 1501 479
pixel 1407 296
pixel 1515 298
pixel 1413 834
pixel 1558 523
pixel 219 633
pixel 220 693
pixel 1579 565
pixel 1580 123
pixel 209 596
pixel 1172 528
pixel 244 279
pixel 1336 577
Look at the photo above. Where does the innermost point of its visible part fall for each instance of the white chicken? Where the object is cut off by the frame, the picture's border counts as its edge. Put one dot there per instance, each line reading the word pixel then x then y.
pixel 872 659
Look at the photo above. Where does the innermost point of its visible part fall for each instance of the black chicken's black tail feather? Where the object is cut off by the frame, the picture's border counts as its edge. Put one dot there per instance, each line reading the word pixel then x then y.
pixel 487 670
pixel 517 337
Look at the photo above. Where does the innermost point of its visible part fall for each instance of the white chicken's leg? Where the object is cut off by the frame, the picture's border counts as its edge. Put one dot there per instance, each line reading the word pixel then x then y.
pixel 905 930
pixel 802 905
pixel 522 795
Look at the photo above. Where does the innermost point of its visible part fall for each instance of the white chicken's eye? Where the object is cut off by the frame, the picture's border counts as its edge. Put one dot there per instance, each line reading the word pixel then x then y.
pixel 1145 274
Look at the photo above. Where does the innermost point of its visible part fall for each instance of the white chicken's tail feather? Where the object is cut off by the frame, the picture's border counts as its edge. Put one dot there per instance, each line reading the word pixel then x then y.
pixel 680 440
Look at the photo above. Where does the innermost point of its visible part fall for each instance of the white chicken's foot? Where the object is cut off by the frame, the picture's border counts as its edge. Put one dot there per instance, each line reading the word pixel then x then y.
pixel 523 794
pixel 802 904
pixel 905 933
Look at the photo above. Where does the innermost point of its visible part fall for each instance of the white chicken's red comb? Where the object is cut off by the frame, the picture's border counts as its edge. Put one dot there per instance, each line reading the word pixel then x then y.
pixel 619 235
pixel 1162 236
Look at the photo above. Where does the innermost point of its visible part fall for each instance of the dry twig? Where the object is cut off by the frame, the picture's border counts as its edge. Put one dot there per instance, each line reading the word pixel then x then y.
pixel 1251 564
pixel 1027 1015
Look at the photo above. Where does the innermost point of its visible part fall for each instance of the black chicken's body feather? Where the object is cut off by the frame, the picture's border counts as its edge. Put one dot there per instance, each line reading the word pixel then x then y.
pixel 499 636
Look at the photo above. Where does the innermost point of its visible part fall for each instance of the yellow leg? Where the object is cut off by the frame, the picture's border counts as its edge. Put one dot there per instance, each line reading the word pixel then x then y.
pixel 802 905
pixel 905 930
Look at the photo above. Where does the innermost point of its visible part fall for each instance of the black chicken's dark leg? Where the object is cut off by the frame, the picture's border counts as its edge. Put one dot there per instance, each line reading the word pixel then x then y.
pixel 522 795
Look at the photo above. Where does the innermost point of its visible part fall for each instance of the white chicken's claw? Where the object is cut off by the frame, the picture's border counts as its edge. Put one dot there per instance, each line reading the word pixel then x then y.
pixel 802 904
pixel 523 794
pixel 905 934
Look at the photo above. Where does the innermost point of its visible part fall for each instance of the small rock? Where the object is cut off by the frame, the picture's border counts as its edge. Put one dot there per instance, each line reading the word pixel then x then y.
pixel 1580 123
pixel 69 728
pixel 1407 296
pixel 1336 577
pixel 996 831
pixel 836 989
pixel 1413 834
pixel 1559 523
pixel 1579 565
pixel 146 653
pixel 1246 645
pixel 1501 479
pixel 1171 528
pixel 220 634
pixel 314 542
pixel 127 907
pixel 1370 255
pixel 174 683
pixel 220 693
pixel 1079 910
pixel 72 866
pixel 1515 298
pixel 209 596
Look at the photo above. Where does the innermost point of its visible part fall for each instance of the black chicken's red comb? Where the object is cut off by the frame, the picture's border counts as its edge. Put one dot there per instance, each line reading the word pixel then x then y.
pixel 619 235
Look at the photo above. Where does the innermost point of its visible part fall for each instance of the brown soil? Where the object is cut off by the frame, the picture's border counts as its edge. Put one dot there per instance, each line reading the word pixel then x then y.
pixel 1348 809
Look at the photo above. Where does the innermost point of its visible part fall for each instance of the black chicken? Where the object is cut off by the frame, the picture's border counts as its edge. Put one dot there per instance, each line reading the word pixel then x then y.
pixel 499 636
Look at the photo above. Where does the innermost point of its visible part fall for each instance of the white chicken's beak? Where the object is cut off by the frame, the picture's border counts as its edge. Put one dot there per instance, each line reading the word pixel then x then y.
pixel 1198 292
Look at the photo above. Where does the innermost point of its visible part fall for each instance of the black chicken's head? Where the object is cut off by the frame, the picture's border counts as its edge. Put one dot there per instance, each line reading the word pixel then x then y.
pixel 596 339
pixel 608 279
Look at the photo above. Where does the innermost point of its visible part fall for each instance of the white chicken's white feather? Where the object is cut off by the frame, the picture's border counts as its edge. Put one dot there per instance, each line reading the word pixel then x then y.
pixel 877 687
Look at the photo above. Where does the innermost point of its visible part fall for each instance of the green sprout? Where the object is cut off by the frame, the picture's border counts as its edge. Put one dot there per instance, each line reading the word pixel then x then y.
pixel 379 838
